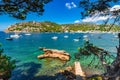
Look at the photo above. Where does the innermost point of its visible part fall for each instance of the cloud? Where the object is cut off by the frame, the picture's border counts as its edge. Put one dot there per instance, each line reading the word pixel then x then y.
pixel 77 21
pixel 71 5
pixel 97 17
pixel 115 8
pixel 68 5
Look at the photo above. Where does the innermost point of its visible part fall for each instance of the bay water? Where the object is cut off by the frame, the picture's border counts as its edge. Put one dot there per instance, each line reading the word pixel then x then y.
pixel 25 50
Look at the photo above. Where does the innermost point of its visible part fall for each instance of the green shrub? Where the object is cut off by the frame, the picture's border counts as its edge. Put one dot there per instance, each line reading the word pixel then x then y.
pixel 6 65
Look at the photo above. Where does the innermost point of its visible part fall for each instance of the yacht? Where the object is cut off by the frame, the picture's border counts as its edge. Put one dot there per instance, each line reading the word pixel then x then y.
pixel 85 37
pixel 15 36
pixel 27 34
pixel 76 40
pixel 54 37
pixel 65 36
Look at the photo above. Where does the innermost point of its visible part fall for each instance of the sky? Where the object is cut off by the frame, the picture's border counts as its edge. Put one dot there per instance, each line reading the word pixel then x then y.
pixel 59 11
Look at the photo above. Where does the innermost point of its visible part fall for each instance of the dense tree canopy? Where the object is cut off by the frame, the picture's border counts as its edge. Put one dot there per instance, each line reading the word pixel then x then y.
pixel 20 8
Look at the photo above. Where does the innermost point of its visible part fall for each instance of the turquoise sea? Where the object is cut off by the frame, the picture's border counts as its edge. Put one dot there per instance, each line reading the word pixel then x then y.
pixel 25 50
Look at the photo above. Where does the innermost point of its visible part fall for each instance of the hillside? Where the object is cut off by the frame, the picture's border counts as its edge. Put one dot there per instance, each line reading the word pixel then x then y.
pixel 54 27
pixel 34 27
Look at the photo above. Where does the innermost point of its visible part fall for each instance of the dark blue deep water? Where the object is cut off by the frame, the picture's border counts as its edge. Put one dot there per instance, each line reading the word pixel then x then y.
pixel 25 51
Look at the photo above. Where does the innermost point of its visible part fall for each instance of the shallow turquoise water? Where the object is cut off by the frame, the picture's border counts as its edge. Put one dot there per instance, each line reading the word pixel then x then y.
pixel 25 51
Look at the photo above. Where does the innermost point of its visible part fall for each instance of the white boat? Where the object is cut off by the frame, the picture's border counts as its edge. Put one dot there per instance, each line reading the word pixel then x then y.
pixel 54 37
pixel 27 34
pixel 76 40
pixel 15 36
pixel 66 31
pixel 116 36
pixel 85 37
pixel 65 36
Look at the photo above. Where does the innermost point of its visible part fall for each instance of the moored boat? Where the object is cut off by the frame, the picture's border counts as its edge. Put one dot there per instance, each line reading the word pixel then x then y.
pixel 76 40
pixel 54 37
pixel 15 36
pixel 9 38
pixel 27 34
pixel 65 36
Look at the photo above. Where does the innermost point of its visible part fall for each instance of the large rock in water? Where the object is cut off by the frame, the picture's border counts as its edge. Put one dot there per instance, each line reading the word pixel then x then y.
pixel 53 53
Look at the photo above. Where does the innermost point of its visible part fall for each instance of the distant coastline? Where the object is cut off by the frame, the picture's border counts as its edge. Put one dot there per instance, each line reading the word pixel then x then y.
pixel 47 26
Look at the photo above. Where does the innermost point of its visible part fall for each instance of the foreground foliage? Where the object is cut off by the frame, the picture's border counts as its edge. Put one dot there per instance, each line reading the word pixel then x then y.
pixel 6 65
pixel 95 53
pixel 20 8
pixel 112 69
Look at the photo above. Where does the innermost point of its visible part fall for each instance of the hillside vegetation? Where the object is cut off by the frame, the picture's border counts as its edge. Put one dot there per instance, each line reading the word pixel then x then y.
pixel 54 27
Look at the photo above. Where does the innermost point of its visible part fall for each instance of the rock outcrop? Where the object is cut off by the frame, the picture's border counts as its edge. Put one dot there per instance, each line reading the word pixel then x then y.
pixel 54 53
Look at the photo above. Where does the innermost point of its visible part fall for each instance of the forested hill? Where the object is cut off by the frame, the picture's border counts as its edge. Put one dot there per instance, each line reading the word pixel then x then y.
pixel 54 27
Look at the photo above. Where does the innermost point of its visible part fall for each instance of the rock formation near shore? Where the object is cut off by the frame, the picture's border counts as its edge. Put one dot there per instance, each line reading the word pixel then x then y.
pixel 54 53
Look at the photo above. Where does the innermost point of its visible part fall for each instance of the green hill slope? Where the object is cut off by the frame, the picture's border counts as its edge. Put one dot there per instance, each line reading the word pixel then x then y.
pixel 54 27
